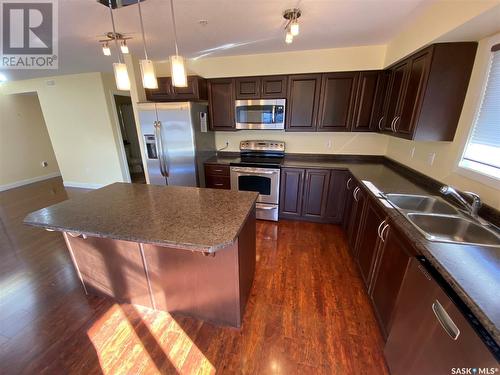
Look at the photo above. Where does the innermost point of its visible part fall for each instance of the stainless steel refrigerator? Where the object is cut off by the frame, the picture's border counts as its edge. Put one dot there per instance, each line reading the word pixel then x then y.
pixel 176 142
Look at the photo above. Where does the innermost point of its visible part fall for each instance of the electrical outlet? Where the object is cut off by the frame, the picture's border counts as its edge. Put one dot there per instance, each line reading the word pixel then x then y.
pixel 430 158
pixel 329 143
pixel 45 164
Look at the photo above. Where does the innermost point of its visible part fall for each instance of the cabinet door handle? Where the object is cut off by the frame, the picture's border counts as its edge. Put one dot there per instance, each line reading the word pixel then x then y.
pixel 218 184
pixel 444 319
pixel 348 182
pixel 355 193
pixel 380 123
pixel 392 124
pixel 382 237
pixel 379 227
pixel 396 123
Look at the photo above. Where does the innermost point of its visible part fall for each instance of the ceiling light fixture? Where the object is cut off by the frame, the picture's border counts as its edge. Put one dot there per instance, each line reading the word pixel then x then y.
pixel 178 70
pixel 119 68
pixel 105 49
pixel 124 47
pixel 148 73
pixel 3 78
pixel 292 24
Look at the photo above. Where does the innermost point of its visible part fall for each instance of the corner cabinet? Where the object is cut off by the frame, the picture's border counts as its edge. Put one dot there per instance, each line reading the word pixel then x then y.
pixel 426 92
pixel 221 103
pixel 312 194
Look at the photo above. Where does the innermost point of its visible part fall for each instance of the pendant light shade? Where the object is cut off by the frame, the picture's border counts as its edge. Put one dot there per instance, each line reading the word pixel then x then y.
pixel 124 47
pixel 178 70
pixel 288 37
pixel 106 50
pixel 294 28
pixel 121 76
pixel 148 74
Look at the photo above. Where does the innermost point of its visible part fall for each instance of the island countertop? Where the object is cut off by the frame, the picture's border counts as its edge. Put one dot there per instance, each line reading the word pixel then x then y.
pixel 182 217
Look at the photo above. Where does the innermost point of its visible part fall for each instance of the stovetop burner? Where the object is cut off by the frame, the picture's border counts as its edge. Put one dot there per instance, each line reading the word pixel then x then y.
pixel 261 154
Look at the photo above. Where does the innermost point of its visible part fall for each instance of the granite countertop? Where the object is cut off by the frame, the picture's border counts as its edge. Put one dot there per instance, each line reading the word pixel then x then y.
pixel 472 271
pixel 182 217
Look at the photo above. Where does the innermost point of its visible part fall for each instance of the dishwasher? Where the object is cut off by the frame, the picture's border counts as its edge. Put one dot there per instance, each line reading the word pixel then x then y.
pixel 433 332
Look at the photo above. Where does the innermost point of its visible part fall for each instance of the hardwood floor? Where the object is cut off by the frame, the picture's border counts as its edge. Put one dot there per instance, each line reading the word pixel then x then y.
pixel 308 312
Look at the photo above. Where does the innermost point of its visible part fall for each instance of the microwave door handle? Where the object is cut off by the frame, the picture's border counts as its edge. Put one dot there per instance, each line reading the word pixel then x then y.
pixel 273 114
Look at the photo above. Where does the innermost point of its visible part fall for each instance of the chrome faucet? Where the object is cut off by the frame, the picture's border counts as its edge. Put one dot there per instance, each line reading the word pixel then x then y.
pixel 472 208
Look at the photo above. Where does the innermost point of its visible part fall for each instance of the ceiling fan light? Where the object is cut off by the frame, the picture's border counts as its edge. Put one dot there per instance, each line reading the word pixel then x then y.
pixel 121 76
pixel 106 50
pixel 149 80
pixel 288 37
pixel 178 70
pixel 294 28
pixel 124 47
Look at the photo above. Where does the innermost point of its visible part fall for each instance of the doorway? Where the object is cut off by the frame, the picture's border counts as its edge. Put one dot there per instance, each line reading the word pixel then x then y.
pixel 130 139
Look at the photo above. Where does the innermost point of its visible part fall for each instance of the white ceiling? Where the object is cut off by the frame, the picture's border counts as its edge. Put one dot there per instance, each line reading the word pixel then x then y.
pixel 247 26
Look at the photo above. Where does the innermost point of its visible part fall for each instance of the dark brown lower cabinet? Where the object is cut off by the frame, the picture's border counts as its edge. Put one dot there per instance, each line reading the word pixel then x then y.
pixel 350 186
pixel 217 176
pixel 313 194
pixel 357 206
pixel 429 334
pixel 369 240
pixel 392 263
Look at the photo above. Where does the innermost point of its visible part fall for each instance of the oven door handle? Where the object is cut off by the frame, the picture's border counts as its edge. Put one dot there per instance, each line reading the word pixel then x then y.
pixel 253 171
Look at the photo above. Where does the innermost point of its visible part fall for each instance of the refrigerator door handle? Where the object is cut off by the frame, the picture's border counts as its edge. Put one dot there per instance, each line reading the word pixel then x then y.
pixel 159 146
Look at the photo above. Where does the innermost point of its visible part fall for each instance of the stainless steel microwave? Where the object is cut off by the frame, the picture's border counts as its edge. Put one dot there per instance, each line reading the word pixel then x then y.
pixel 260 114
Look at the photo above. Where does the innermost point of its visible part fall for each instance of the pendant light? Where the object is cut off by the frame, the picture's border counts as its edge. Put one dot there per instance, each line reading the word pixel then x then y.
pixel 292 24
pixel 124 47
pixel 148 74
pixel 105 49
pixel 120 69
pixel 178 70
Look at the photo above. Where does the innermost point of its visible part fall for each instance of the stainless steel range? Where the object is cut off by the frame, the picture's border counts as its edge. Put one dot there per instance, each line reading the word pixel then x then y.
pixel 259 170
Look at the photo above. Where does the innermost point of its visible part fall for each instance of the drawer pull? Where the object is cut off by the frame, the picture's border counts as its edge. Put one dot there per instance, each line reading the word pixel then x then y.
pixel 348 182
pixel 218 170
pixel 444 319
pixel 218 184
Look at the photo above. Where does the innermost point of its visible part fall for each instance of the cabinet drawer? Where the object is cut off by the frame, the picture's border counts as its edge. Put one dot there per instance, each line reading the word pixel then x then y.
pixel 217 170
pixel 217 182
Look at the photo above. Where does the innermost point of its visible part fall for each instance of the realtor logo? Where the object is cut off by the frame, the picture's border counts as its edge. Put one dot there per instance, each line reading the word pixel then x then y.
pixel 29 34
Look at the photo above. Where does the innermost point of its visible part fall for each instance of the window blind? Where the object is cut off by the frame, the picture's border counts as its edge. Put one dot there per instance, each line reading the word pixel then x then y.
pixel 483 149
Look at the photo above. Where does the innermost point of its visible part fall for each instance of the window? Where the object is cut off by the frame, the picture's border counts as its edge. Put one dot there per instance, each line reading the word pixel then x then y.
pixel 482 152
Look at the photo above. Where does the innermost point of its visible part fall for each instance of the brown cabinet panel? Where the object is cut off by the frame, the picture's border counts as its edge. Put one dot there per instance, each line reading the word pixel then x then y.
pixel 394 94
pixel 217 182
pixel 248 87
pixel 337 101
pixel 356 216
pixel 221 103
pixel 413 94
pixel 274 87
pixel 217 169
pixel 378 118
pixel 349 198
pixel 303 102
pixel 368 243
pixel 337 190
pixel 292 184
pixel 365 108
pixel 315 193
pixel 391 268
pixel 166 92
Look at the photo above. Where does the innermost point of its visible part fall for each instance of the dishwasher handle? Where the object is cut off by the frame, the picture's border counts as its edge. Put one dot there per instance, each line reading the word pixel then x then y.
pixel 446 322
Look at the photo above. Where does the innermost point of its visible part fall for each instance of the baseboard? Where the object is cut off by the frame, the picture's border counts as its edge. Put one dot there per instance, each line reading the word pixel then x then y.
pixel 82 185
pixel 29 181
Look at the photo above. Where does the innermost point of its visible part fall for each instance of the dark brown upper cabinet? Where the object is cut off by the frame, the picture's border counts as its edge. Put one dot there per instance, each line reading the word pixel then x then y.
pixel 337 101
pixel 274 87
pixel 427 90
pixel 303 102
pixel 248 87
pixel 221 103
pixel 315 194
pixel 166 92
pixel 365 115
pixel 380 100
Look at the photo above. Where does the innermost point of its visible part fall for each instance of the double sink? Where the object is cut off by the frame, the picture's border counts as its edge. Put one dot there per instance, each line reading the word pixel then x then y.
pixel 439 221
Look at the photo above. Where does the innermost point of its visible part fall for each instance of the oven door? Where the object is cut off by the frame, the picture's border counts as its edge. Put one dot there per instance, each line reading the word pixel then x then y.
pixel 265 181
pixel 260 114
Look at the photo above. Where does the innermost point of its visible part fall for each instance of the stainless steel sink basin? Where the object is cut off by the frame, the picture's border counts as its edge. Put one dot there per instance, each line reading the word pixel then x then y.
pixel 454 229
pixel 421 203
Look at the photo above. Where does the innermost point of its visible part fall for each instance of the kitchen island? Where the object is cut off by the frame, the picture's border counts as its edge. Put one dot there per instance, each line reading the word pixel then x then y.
pixel 179 249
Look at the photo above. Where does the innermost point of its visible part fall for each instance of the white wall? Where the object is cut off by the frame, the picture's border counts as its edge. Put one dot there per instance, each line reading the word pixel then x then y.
pixel 80 123
pixel 24 142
